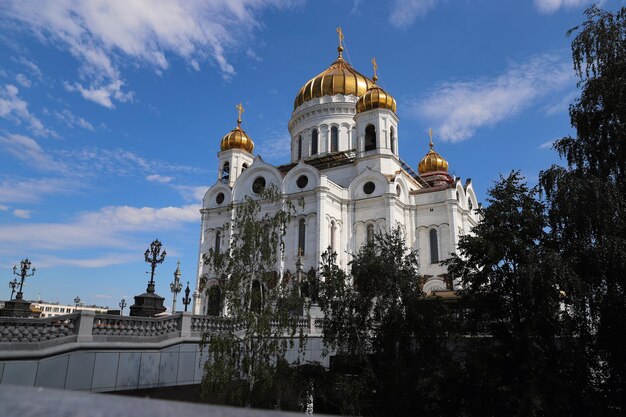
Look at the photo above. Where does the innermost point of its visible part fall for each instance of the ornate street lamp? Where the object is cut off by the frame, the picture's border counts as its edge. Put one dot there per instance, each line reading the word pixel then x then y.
pixel 176 286
pixel 122 305
pixel 12 285
pixel 154 257
pixel 186 298
pixel 23 273
pixel 77 301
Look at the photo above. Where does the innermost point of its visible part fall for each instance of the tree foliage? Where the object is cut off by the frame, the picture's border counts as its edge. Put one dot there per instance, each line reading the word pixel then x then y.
pixel 587 212
pixel 390 348
pixel 247 364
pixel 508 278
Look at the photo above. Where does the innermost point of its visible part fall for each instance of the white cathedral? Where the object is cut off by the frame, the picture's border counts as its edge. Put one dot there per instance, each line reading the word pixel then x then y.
pixel 346 166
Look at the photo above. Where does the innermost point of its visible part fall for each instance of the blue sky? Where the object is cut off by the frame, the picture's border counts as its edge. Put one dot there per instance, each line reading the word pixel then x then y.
pixel 111 112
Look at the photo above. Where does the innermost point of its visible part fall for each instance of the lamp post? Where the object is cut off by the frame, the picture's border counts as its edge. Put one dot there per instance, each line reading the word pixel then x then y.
pixel 154 256
pixel 12 285
pixel 23 273
pixel 186 298
pixel 77 301
pixel 176 286
pixel 122 305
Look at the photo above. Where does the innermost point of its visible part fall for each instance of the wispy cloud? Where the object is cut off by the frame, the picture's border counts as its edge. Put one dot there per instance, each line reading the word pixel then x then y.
pixel 162 179
pixel 23 80
pixel 562 105
pixel 14 108
pixel 71 120
pixel 551 6
pixel 105 35
pixel 459 109
pixel 22 214
pixel 276 148
pixel 33 190
pixel 404 12
pixel 109 227
pixel 49 261
pixel 28 150
pixel 547 145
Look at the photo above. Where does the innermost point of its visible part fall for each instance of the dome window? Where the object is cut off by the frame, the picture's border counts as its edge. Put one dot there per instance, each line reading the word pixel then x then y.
pixel 434 247
pixel 370 138
pixel 314 141
pixel 300 147
pixel 258 185
pixel 301 237
pixel 220 198
pixel 369 187
pixel 302 181
pixel 334 139
pixel 392 140
pixel 225 176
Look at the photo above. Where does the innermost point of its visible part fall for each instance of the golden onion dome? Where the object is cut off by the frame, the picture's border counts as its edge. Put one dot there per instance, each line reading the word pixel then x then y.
pixel 237 138
pixel 432 162
pixel 375 97
pixel 339 78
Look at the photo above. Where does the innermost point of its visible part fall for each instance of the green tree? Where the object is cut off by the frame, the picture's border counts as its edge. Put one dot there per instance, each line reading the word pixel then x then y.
pixel 247 364
pixel 587 213
pixel 390 347
pixel 509 282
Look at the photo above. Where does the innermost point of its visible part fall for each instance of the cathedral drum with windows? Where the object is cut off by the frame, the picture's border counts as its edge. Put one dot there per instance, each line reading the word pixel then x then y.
pixel 346 167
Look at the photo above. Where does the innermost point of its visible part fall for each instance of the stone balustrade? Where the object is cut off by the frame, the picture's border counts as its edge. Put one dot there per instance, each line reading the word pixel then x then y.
pixel 25 333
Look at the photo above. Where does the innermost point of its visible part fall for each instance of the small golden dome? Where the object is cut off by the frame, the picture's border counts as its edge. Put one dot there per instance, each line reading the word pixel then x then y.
pixel 339 78
pixel 375 97
pixel 432 162
pixel 237 138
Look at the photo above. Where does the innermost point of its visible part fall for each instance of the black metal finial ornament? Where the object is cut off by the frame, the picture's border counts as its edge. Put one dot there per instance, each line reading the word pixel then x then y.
pixel 154 256
pixel 77 301
pixel 122 304
pixel 13 285
pixel 23 273
pixel 186 298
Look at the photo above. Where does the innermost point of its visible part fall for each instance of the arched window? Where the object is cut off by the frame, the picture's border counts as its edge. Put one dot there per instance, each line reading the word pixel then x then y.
pixel 333 230
pixel 214 301
pixel 370 233
pixel 334 139
pixel 392 140
pixel 300 147
pixel 301 237
pixel 225 172
pixel 218 239
pixel 314 142
pixel 469 203
pixel 434 247
pixel 370 138
pixel 256 297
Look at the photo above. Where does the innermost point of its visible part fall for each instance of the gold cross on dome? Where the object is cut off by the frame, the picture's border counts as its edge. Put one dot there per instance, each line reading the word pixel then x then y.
pixel 239 108
pixel 430 134
pixel 300 252
pixel 340 33
pixel 375 69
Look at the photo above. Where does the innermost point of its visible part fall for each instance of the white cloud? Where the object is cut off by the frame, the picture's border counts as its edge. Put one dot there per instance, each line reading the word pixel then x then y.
pixel 28 150
pixel 162 179
pixel 32 190
pixel 104 34
pixel 109 227
pixel 4 208
pixel 192 192
pixel 14 108
pixel 404 12
pixel 23 80
pixel 71 120
pixel 22 214
pixel 562 106
pixel 32 68
pixel 551 6
pixel 276 148
pixel 547 145
pixel 459 109
pixel 48 261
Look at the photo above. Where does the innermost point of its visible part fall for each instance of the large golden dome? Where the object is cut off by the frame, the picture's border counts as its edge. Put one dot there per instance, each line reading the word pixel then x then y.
pixel 339 78
pixel 237 138
pixel 432 162
pixel 375 97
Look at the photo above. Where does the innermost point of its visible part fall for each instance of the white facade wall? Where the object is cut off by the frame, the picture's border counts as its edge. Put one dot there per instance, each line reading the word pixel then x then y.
pixel 335 200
